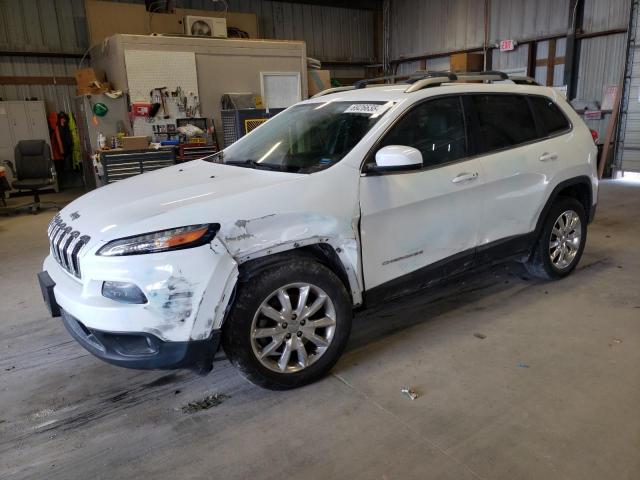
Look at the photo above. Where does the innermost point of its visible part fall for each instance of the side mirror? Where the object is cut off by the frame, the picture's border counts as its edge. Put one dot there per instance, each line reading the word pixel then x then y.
pixel 394 158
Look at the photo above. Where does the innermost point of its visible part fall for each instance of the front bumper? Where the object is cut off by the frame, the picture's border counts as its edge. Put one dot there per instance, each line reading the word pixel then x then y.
pixel 187 292
pixel 143 350
pixel 139 350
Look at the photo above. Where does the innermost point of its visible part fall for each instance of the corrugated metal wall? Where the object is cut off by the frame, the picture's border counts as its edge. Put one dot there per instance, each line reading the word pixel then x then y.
pixel 601 64
pixel 424 27
pixel 57 97
pixel 600 15
pixel 331 33
pixel 41 26
pixel 602 58
pixel 516 59
pixel 628 151
pixel 418 27
pixel 526 19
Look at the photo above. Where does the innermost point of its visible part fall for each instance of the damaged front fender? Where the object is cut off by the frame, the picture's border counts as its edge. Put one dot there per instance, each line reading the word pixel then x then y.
pixel 217 296
pixel 251 239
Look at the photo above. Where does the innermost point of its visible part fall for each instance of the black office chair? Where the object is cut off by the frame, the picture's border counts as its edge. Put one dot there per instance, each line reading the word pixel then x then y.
pixel 33 171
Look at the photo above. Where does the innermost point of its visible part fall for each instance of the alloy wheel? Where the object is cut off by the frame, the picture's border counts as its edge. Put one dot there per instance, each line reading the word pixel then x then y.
pixel 565 239
pixel 293 327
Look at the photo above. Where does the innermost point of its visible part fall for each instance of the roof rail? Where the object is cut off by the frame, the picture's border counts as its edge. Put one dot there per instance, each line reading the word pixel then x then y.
pixel 486 76
pixel 424 75
pixel 344 89
pixel 367 82
pixel 423 79
pixel 430 82
pixel 491 73
pixel 410 78
pixel 499 76
pixel 333 90
pixel 364 82
pixel 472 77
pixel 523 80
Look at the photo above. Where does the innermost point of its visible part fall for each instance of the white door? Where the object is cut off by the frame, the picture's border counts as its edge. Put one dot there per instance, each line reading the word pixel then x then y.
pixel 410 220
pixel 517 165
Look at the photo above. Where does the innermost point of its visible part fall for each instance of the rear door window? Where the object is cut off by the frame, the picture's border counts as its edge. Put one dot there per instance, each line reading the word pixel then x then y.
pixel 504 121
pixel 549 115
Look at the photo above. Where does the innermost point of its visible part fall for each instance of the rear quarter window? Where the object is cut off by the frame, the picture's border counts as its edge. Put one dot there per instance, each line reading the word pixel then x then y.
pixel 549 115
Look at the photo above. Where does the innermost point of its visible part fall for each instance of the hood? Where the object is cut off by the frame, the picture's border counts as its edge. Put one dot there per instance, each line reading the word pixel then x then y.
pixel 176 196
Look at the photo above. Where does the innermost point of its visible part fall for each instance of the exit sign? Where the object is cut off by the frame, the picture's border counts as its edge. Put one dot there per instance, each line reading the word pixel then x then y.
pixel 507 45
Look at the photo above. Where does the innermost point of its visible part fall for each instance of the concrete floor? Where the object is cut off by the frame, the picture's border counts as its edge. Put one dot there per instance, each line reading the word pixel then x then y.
pixel 551 392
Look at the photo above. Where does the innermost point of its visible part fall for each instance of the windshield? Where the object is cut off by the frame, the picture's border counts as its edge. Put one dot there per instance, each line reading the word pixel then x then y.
pixel 306 138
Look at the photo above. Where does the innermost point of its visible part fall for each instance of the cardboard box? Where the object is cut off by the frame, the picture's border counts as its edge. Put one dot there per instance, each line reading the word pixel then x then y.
pixel 135 143
pixel 86 77
pixel 94 89
pixel 88 82
pixel 318 80
pixel 467 62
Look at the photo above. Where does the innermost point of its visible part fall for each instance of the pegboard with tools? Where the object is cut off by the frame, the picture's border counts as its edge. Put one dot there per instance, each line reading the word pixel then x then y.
pixel 166 107
pixel 168 81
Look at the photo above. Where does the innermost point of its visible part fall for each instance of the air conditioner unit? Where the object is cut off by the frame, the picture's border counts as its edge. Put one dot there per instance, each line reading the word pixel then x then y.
pixel 213 27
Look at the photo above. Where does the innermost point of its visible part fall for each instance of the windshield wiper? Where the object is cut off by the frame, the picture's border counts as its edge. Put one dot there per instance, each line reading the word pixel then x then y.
pixel 257 165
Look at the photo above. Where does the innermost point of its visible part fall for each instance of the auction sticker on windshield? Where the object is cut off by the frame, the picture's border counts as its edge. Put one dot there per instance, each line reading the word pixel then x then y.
pixel 364 108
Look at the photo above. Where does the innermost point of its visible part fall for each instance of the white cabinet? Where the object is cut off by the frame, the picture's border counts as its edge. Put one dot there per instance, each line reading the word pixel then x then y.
pixel 37 115
pixel 21 121
pixel 6 141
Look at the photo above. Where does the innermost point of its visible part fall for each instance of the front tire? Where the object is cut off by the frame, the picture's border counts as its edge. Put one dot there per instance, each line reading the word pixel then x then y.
pixel 288 325
pixel 561 241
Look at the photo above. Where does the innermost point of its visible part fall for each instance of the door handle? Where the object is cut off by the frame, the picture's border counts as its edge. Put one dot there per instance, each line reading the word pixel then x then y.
pixel 465 177
pixel 545 157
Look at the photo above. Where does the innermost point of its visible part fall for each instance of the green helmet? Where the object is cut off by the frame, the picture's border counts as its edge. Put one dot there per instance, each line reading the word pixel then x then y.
pixel 100 109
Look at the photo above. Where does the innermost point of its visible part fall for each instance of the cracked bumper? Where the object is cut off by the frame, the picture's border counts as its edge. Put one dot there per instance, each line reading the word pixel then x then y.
pixel 187 292
pixel 142 350
pixel 139 350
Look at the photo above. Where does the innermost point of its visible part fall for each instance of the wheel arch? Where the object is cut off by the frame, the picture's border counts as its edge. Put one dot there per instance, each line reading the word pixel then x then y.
pixel 323 253
pixel 578 187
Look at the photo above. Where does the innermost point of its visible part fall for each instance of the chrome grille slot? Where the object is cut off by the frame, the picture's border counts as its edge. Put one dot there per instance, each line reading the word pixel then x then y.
pixel 66 251
pixel 66 244
pixel 54 240
pixel 74 255
pixel 59 245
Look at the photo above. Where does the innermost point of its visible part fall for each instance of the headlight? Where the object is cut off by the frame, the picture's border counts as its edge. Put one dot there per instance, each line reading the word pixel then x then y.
pixel 162 241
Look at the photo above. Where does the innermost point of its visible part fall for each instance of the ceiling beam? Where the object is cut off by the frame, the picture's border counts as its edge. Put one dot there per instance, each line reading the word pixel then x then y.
pixel 357 4
pixel 17 53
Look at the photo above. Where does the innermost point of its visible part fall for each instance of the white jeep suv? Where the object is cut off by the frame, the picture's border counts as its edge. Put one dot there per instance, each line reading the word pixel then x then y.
pixel 348 199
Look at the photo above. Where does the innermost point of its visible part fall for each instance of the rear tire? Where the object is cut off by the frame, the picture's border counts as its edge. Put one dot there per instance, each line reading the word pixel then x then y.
pixel 289 324
pixel 561 242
